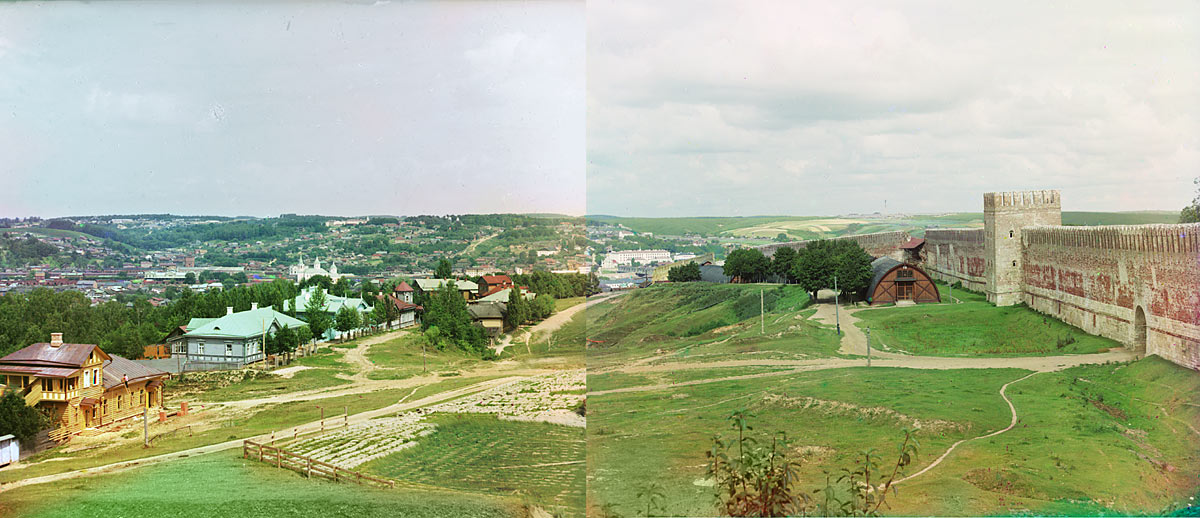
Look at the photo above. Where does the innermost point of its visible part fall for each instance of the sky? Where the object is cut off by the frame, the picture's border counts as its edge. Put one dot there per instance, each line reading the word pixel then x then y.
pixel 825 108
pixel 270 107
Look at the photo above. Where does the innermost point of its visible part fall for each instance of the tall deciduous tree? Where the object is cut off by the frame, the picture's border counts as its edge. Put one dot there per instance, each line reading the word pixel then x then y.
pixel 444 269
pixel 782 263
pixel 347 319
pixel 747 265
pixel 318 320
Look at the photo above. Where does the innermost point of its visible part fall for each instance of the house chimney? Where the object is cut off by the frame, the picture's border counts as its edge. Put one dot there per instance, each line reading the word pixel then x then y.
pixel 228 310
pixel 55 339
pixel 253 306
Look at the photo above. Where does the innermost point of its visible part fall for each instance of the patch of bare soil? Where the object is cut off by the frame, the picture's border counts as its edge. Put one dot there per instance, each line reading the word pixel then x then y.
pixel 828 407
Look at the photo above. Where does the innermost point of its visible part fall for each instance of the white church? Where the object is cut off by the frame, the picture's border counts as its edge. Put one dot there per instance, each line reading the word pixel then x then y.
pixel 302 273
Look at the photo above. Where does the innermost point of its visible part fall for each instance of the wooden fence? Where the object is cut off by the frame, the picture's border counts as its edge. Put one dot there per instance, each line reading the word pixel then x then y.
pixel 282 458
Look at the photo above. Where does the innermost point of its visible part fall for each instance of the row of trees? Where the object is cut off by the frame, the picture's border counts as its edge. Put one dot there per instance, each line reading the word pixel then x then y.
pixel 521 310
pixel 813 267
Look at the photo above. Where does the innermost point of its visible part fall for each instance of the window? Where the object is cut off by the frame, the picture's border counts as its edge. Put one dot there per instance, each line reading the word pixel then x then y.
pixel 228 349
pixel 1010 233
pixel 87 379
pixel 47 385
pixel 95 376
pixel 200 348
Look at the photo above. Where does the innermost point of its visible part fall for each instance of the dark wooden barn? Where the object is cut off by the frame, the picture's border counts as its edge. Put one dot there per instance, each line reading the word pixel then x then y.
pixel 895 281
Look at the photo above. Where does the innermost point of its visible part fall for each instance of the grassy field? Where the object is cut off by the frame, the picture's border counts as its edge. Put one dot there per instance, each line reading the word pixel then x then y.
pixel 222 484
pixel 1094 440
pixel 402 357
pixel 540 462
pixel 1106 439
pixel 703 322
pixel 209 428
pixel 976 328
pixel 636 439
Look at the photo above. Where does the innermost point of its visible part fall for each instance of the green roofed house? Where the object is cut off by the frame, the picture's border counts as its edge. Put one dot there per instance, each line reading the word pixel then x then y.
pixel 333 304
pixel 467 288
pixel 231 341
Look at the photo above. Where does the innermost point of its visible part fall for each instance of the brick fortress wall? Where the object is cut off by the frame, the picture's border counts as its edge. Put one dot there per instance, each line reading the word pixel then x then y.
pixel 956 255
pixel 1139 285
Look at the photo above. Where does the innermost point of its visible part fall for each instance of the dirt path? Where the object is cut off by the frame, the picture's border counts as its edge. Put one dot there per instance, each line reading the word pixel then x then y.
pixel 314 426
pixel 358 355
pixel 471 247
pixel 1010 426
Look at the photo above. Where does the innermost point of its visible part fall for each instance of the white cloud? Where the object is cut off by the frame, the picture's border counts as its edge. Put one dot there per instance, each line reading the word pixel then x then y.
pixel 903 102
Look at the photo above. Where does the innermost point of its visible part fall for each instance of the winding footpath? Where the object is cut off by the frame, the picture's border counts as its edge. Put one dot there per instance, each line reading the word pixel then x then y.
pixel 854 343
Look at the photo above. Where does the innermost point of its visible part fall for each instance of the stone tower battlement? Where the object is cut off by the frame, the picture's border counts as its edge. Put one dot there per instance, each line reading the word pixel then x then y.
pixel 1004 215
pixel 1018 200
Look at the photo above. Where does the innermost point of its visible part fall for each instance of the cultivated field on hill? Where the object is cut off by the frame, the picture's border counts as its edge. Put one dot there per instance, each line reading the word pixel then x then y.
pixel 540 463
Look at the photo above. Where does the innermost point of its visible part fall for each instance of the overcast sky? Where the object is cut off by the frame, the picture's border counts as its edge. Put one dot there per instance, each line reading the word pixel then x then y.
pixel 262 108
pixel 811 108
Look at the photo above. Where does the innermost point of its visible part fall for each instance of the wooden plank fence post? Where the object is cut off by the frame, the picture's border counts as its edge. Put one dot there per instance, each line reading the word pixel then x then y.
pixel 308 468
pixel 260 453
pixel 278 457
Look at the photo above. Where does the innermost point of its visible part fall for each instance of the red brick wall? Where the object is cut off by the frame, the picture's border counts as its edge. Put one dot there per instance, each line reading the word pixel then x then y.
pixel 1099 278
pixel 956 255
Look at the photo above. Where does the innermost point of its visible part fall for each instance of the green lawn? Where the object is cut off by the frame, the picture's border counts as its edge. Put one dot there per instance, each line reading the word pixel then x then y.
pixel 541 462
pixel 222 484
pixel 976 328
pixel 1106 439
pixel 402 357
pixel 635 439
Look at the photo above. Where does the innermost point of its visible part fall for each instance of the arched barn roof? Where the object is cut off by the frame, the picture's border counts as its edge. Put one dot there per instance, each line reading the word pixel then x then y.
pixel 883 266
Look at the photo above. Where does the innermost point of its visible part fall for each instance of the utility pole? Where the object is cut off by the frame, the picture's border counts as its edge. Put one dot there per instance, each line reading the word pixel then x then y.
pixel 868 346
pixel 146 426
pixel 837 316
pixel 762 313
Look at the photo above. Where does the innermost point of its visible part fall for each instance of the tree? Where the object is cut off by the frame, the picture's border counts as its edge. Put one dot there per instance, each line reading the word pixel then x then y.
pixel 684 273
pixel 782 238
pixel 379 313
pixel 782 263
pixel 817 264
pixel 19 419
pixel 518 308
pixel 322 281
pixel 341 287
pixel 318 320
pixel 190 278
pixel 543 306
pixel 852 265
pixel 303 335
pixel 347 319
pixel 747 265
pixel 447 310
pixel 811 269
pixel 443 269
pixel 1191 213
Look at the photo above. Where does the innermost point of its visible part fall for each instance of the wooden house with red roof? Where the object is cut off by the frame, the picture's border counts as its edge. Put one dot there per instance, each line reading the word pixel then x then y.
pixel 401 298
pixel 490 284
pixel 80 385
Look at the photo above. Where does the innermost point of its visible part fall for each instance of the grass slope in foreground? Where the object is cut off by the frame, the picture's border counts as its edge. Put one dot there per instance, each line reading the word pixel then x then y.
pixel 976 328
pixel 541 462
pixel 223 484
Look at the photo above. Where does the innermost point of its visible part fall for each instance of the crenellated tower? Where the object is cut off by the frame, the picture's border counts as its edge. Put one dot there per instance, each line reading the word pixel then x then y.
pixel 1004 214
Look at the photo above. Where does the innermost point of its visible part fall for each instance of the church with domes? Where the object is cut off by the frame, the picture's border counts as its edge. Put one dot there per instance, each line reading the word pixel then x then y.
pixel 302 272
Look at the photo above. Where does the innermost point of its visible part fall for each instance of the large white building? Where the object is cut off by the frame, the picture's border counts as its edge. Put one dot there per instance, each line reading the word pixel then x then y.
pixel 624 257
pixel 302 273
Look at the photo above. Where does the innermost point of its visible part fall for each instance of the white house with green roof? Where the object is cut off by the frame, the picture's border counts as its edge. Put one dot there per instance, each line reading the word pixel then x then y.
pixel 231 341
pixel 333 304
